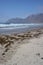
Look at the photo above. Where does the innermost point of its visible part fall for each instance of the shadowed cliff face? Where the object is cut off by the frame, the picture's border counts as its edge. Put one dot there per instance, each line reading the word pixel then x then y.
pixel 30 19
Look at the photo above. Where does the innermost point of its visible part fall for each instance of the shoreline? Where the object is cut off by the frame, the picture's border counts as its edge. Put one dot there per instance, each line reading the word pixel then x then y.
pixel 4 38
pixel 17 31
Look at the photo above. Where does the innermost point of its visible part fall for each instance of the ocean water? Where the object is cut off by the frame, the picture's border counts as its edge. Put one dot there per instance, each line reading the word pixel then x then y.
pixel 17 28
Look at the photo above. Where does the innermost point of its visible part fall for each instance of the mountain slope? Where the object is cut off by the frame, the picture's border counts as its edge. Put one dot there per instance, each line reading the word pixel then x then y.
pixel 35 18
pixel 30 19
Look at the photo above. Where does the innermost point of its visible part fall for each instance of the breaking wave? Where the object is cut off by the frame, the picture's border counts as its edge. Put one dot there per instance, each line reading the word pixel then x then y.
pixel 11 26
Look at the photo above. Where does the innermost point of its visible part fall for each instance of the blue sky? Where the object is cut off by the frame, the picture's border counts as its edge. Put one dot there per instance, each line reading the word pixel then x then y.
pixel 19 8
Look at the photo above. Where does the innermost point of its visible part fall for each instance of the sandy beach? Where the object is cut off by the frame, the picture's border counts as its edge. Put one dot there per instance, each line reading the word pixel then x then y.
pixel 22 49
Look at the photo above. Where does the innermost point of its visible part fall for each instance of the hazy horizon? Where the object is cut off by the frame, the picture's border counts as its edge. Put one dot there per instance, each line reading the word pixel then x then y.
pixel 19 8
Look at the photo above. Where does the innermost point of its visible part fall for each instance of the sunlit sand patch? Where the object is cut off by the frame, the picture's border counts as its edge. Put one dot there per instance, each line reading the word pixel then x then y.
pixel 9 43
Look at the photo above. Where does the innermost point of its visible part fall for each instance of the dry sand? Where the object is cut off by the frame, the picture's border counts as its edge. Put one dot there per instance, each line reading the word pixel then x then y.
pixel 27 49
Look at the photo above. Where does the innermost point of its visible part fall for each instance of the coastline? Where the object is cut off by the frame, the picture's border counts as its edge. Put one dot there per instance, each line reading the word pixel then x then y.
pixel 10 43
pixel 20 29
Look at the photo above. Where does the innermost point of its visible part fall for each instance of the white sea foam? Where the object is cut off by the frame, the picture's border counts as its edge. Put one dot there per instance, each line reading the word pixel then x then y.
pixel 11 26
